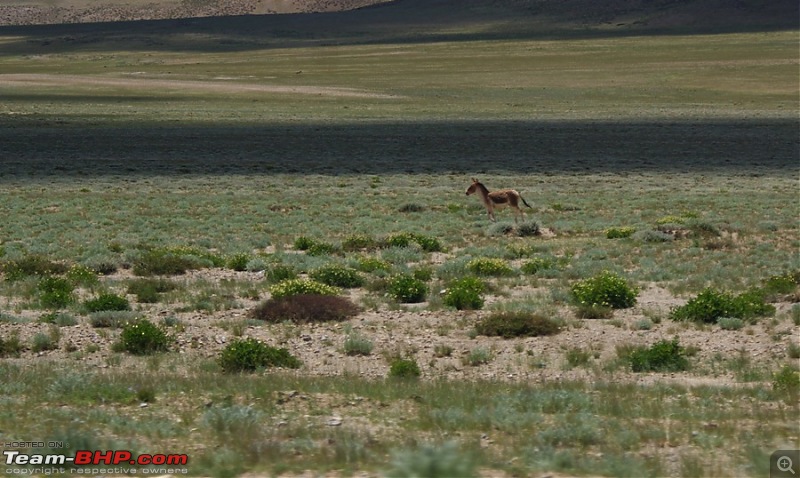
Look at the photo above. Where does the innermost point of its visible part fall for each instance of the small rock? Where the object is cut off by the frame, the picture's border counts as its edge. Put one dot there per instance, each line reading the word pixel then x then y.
pixel 334 421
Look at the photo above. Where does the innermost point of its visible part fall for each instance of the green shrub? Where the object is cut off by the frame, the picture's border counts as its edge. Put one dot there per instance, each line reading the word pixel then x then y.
pixel 56 292
pixel 427 243
pixel 517 324
pixel 32 265
pixel 404 368
pixel 465 294
pixel 321 249
pixel 301 286
pixel 107 301
pixel 486 266
pixel 247 355
pixel 430 461
pixel 403 239
pixel 537 264
pixel 606 289
pixel 528 229
pixel 238 262
pixel 302 308
pixel 619 232
pixel 303 243
pixel 338 276
pixel 142 337
pixel 780 285
pixel 407 289
pixel 786 380
pixel 357 344
pixel 411 207
pixel 663 356
pixel 710 305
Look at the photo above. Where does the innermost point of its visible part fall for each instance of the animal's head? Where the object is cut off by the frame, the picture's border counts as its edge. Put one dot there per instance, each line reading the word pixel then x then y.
pixel 473 187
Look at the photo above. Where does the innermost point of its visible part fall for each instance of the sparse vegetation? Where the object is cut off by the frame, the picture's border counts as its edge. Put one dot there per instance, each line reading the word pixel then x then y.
pixel 128 151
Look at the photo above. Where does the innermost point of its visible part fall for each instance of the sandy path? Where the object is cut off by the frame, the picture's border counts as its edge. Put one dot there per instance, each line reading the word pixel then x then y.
pixel 221 86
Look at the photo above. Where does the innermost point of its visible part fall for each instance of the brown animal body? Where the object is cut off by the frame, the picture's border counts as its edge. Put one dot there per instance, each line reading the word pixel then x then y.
pixel 498 199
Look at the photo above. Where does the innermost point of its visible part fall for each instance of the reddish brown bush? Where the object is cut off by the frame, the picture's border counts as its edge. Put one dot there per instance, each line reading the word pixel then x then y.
pixel 305 308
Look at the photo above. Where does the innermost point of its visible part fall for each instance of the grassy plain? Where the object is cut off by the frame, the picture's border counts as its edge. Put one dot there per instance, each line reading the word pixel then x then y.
pixel 110 146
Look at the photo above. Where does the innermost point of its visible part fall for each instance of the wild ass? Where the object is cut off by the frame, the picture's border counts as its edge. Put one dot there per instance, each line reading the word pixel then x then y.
pixel 497 199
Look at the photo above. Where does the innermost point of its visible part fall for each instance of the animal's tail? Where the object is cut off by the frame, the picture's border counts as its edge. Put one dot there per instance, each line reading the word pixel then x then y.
pixel 524 201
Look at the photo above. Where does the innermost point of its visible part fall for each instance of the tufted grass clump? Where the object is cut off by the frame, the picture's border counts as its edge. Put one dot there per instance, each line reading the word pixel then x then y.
pixel 517 324
pixel 619 232
pixel 238 262
pixel 10 346
pixel 407 289
pixel 780 285
pixel 465 294
pixel 528 229
pixel 404 369
pixel 279 273
pixel 537 264
pixel 149 290
pixel 337 275
pixel 163 262
pixel 710 305
pixel 406 239
pixel 107 301
pixel 357 344
pixel 432 461
pixel 291 287
pixel 142 337
pixel 606 289
pixel 489 267
pixel 359 242
pixel 249 355
pixel 302 308
pixel 730 323
pixel 663 356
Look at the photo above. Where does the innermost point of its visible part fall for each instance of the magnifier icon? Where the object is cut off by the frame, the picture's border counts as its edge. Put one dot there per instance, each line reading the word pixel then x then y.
pixel 785 464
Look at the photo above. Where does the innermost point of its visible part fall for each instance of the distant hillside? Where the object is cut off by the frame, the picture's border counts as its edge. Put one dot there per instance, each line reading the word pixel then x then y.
pixel 251 23
pixel 45 12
